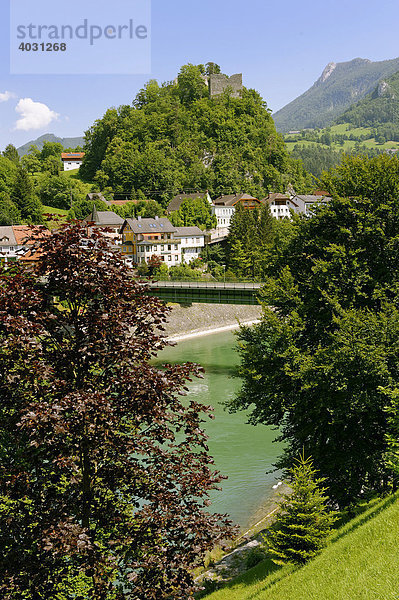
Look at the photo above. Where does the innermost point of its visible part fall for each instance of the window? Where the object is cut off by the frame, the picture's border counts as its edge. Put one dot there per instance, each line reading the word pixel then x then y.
pixel 169 257
pixel 162 247
pixel 169 247
pixel 176 247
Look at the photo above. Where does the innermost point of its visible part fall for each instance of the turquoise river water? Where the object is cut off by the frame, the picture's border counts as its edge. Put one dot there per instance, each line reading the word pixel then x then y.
pixel 242 452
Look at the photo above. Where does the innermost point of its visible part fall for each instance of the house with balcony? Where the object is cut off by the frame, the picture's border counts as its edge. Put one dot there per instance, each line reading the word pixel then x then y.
pixel 224 207
pixel 192 241
pixel 278 204
pixel 143 238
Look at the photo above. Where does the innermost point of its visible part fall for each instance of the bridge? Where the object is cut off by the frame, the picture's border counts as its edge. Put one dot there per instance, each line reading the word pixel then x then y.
pixel 188 292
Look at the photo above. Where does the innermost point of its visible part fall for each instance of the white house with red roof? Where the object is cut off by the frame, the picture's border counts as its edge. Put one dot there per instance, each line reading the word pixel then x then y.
pixel 72 160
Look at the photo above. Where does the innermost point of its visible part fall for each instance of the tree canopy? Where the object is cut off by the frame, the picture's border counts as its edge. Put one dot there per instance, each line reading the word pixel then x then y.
pixel 318 363
pixel 175 137
pixel 194 212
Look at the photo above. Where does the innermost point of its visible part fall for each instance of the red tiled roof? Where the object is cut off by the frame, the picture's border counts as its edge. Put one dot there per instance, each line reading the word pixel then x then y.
pixel 72 155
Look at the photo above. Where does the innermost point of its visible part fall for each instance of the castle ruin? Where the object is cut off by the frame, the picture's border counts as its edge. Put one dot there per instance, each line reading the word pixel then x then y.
pixel 218 83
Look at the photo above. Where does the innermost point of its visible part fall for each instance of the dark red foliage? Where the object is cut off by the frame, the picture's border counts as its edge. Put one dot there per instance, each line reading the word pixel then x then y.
pixel 104 469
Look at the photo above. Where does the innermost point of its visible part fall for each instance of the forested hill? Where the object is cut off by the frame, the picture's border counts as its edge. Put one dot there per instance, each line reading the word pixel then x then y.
pixel 381 107
pixel 175 137
pixel 339 86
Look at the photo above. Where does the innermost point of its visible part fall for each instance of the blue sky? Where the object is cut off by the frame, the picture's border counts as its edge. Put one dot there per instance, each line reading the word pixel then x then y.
pixel 280 47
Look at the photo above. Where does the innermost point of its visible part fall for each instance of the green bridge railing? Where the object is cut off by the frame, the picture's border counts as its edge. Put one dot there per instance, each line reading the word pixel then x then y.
pixel 188 292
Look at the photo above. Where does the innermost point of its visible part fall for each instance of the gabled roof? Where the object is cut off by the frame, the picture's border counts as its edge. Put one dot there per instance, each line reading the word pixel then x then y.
pixel 275 196
pixel 178 200
pixel 311 198
pixel 188 232
pixel 150 225
pixel 104 218
pixel 7 237
pixel 72 155
pixel 27 234
pixel 232 199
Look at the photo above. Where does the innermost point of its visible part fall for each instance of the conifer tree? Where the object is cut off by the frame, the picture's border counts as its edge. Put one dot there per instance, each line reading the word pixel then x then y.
pixel 303 521
pixel 23 197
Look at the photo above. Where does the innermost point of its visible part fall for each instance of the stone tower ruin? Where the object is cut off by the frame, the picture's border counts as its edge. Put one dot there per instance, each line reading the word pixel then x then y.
pixel 218 83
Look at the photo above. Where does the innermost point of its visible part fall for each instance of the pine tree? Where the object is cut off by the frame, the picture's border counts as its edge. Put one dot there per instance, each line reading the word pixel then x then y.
pixel 24 198
pixel 303 521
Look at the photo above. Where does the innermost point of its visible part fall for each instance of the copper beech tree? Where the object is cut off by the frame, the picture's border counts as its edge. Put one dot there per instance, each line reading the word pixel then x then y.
pixel 104 469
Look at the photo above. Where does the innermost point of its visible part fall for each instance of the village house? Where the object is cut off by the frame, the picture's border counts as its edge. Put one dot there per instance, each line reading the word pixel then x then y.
pixel 224 207
pixel 16 243
pixel 192 242
pixel 143 238
pixel 72 160
pixel 105 219
pixel 10 250
pixel 304 204
pixel 279 205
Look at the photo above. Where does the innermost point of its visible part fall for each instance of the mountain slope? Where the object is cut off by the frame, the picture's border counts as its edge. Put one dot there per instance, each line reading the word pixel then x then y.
pixel 340 86
pixel 378 108
pixel 71 142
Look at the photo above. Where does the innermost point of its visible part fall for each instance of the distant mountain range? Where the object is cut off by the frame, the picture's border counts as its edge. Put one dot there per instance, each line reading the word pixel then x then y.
pixel 339 87
pixel 71 142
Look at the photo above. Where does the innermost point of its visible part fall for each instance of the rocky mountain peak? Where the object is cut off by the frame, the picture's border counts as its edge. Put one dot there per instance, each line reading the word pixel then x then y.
pixel 327 72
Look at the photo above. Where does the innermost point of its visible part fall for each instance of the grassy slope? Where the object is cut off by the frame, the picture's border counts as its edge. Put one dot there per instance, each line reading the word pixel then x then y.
pixel 360 563
pixel 348 144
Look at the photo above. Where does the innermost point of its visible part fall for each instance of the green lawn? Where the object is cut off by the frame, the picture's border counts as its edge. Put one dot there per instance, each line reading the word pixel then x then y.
pixel 361 562
pixel 348 145
pixel 55 211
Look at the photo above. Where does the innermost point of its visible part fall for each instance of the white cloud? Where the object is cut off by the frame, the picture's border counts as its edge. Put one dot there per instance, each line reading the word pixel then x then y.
pixel 4 96
pixel 34 115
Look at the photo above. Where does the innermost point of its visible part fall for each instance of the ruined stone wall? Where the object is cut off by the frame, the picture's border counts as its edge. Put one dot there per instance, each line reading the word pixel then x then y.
pixel 218 83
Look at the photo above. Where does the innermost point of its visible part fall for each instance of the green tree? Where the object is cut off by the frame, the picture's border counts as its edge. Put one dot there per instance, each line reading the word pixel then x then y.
pixel 195 212
pixel 250 238
pixel 23 197
pixel 82 208
pixel 316 364
pixel 32 161
pixel 11 153
pixel 9 213
pixel 8 171
pixel 303 521
pixel 60 192
pixel 212 68
pixel 191 84
pixel 49 149
pixel 52 164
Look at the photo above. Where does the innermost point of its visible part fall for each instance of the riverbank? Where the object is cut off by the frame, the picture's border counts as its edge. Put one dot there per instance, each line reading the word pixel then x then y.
pixel 185 322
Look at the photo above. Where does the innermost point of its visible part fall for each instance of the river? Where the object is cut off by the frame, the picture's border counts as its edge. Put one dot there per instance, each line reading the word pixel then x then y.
pixel 242 452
